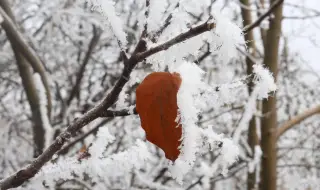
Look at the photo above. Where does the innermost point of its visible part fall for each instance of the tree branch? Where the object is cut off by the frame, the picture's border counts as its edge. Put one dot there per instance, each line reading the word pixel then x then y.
pixel 28 83
pixel 166 24
pixel 22 46
pixel 119 113
pixel 296 120
pixel 180 38
pixel 65 148
pixel 28 172
pixel 92 45
pixel 263 16
pixel 110 114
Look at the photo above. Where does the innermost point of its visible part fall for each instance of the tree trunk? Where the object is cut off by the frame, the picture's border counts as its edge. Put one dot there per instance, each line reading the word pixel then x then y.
pixel 34 102
pixel 28 85
pixel 252 132
pixel 269 121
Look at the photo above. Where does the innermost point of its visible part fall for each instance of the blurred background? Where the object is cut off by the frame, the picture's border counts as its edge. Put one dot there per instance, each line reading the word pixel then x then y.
pixel 280 147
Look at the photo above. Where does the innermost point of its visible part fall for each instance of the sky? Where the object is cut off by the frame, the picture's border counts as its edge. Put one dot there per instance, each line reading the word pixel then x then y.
pixel 304 34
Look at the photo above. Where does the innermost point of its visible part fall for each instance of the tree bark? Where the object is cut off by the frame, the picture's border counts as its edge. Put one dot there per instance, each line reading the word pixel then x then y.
pixel 15 37
pixel 269 122
pixel 296 120
pixel 27 81
pixel 263 31
pixel 252 132
pixel 34 102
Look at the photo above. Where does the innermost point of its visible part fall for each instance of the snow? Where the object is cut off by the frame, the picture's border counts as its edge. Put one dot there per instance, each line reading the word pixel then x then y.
pixel 189 90
pixel 224 43
pixel 190 101
pixel 103 139
pixel 263 84
pixel 43 110
pixel 250 109
pixel 123 96
pixel 155 18
pixel 114 22
pixel 229 151
pixel 136 158
pixel 98 164
pixel 264 80
pixel 194 93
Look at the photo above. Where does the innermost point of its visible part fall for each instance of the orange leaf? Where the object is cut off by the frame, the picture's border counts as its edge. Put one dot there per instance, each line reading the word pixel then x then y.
pixel 156 103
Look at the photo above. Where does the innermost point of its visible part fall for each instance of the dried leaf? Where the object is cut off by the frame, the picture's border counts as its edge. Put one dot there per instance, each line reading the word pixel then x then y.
pixel 156 100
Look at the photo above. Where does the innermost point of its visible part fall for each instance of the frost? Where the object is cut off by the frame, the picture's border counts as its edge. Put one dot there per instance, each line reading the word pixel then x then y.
pixel 254 165
pixel 97 165
pixel 174 56
pixel 155 18
pixel 229 155
pixel 153 185
pixel 225 43
pixel 123 96
pixel 192 94
pixel 131 109
pixel 189 90
pixel 190 101
pixel 229 151
pixel 177 25
pixel 116 156
pixel 103 138
pixel 264 80
pixel 250 109
pixel 43 109
pixel 107 9
pixel 263 85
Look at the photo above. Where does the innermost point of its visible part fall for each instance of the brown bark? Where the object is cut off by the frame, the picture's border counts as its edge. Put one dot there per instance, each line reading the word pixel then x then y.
pixel 269 122
pixel 27 80
pixel 16 38
pixel 296 120
pixel 252 132
pixel 33 99
pixel 263 31
pixel 275 4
